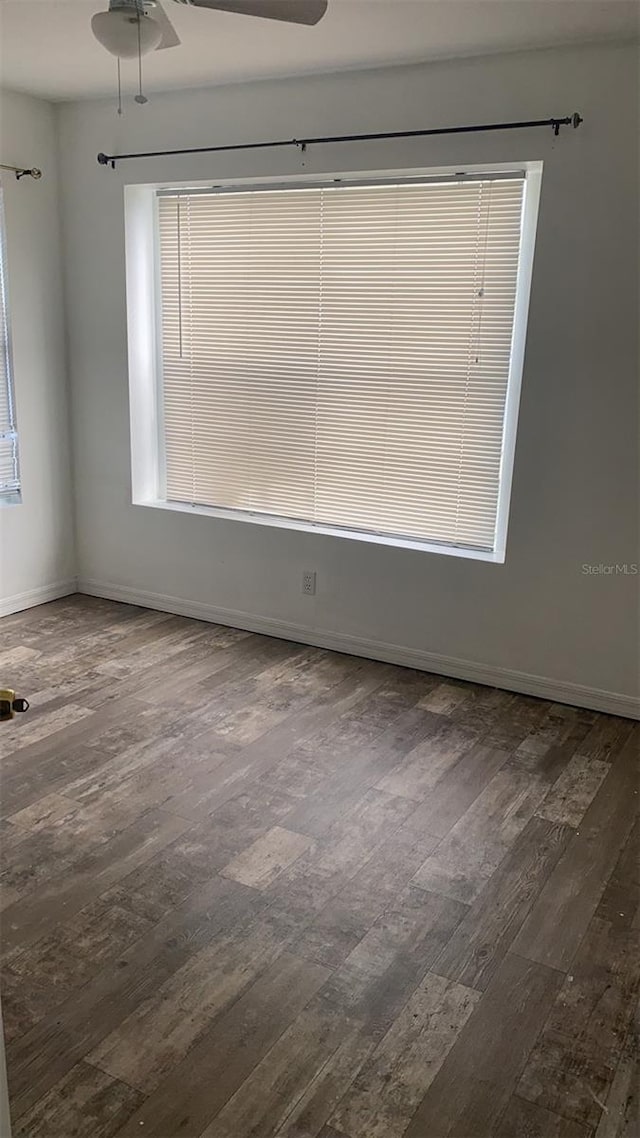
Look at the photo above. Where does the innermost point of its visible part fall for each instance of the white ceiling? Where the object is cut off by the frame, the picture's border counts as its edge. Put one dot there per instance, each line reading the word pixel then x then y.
pixel 47 47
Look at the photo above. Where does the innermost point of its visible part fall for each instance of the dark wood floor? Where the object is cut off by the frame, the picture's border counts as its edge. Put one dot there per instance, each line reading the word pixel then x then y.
pixel 252 888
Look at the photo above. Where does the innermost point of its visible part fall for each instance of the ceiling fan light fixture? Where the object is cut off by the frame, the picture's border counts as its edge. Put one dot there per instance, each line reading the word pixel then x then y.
pixel 117 30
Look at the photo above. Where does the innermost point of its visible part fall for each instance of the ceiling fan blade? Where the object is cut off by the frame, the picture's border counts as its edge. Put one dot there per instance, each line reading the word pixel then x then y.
pixel 170 37
pixel 292 11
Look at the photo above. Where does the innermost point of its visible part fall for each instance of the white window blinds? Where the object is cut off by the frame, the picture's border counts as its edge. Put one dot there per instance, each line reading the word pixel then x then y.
pixel 9 478
pixel 341 355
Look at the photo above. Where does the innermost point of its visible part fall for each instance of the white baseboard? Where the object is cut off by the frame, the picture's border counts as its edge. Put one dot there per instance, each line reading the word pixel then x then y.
pixel 559 691
pixel 19 601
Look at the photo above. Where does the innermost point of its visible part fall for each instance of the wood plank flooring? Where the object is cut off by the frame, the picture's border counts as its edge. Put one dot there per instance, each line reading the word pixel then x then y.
pixel 252 889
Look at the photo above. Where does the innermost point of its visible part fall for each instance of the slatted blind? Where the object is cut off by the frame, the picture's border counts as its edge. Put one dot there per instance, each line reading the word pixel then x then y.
pixel 9 479
pixel 341 355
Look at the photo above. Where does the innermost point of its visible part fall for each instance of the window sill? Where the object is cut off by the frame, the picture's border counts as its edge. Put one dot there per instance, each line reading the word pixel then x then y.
pixel 275 522
pixel 10 498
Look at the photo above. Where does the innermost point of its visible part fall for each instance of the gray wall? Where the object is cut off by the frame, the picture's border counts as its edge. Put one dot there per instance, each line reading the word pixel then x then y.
pixel 37 556
pixel 538 622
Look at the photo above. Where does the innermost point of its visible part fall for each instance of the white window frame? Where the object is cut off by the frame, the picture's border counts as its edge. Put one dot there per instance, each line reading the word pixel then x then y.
pixel 9 497
pixel 145 364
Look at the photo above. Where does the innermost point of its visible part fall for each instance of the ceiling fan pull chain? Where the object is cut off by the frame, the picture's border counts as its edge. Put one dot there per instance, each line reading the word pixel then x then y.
pixel 140 98
pixel 119 88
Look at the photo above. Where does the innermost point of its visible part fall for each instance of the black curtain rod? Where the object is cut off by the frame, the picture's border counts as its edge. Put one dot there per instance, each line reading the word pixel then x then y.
pixel 570 120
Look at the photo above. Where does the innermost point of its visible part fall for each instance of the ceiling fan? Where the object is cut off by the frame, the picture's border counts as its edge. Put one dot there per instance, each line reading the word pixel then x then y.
pixel 130 28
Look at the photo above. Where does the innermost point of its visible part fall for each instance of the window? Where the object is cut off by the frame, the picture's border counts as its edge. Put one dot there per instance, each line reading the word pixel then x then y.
pixel 346 357
pixel 9 474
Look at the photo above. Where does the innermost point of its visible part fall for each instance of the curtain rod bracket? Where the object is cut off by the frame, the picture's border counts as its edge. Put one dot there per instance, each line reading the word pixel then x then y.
pixel 21 172
pixel 302 143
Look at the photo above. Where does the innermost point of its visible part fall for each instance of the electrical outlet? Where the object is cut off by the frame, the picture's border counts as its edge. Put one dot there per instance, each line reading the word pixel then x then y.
pixel 309 582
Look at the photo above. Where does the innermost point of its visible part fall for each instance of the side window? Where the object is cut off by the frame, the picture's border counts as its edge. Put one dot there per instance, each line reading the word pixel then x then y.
pixel 9 466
